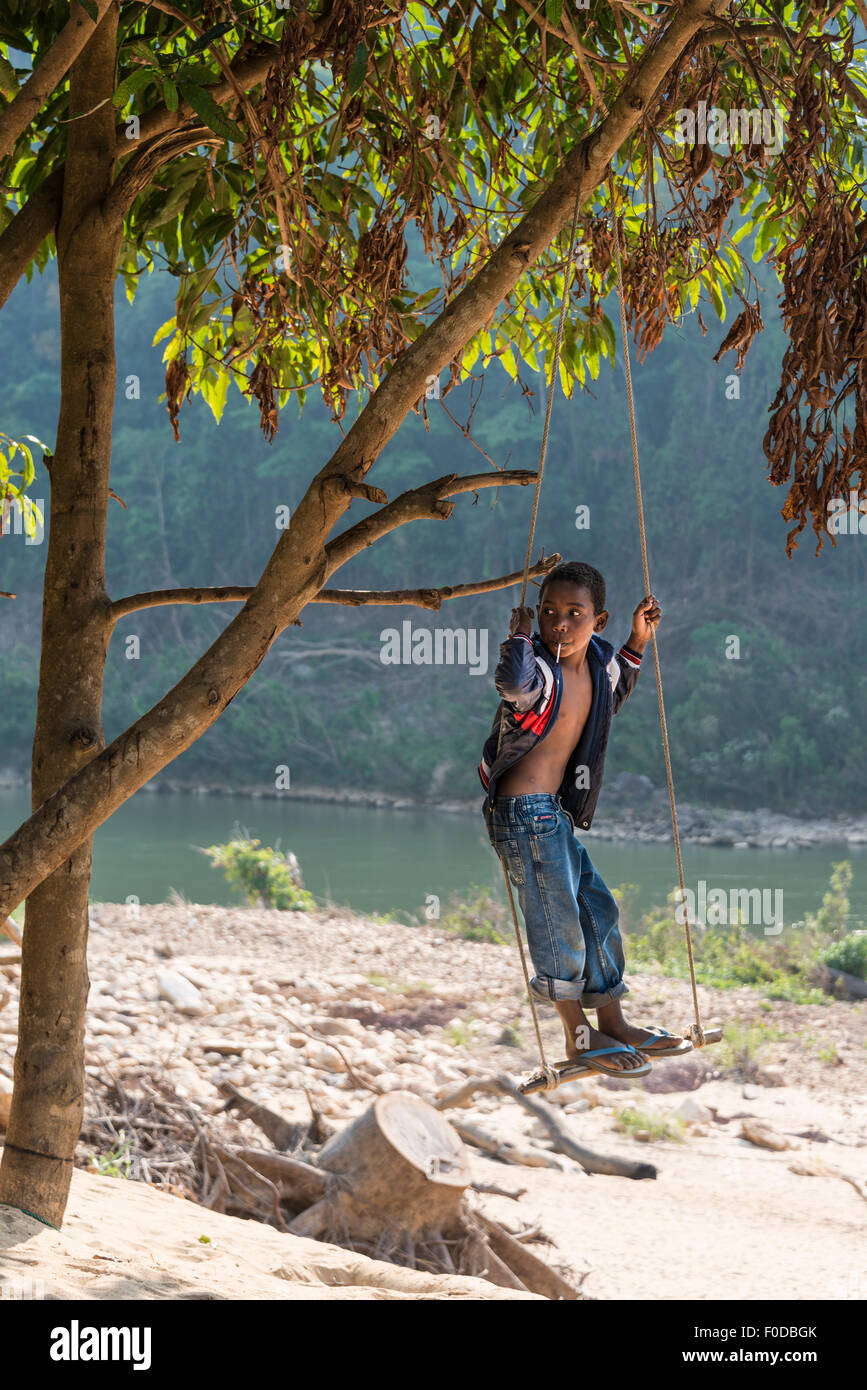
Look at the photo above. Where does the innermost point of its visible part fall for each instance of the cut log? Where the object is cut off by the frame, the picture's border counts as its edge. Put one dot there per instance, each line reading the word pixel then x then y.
pixel 403 1166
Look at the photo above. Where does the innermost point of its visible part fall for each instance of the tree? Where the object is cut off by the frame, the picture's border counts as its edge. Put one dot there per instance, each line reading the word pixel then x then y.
pixel 291 151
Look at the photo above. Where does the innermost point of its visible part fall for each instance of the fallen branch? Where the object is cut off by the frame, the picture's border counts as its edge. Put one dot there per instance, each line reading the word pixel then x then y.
pixel 534 1274
pixel 507 1153
pixel 562 1141
pixel 283 1134
pixel 495 1191
pixel 296 1181
pixel 812 1168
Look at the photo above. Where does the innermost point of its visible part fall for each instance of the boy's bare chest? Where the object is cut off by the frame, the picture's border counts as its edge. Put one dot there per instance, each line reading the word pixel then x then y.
pixel 575 703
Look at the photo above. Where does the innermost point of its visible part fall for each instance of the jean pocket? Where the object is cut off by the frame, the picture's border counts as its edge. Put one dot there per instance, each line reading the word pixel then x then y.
pixel 542 823
pixel 510 855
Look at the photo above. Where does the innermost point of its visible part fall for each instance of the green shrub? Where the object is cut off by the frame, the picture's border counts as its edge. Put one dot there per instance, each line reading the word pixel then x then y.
pixel 117 1162
pixel 743 1047
pixel 266 877
pixel 850 955
pixel 833 915
pixel 653 1124
pixel 484 916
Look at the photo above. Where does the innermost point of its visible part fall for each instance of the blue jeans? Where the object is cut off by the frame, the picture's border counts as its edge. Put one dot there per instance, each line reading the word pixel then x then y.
pixel 570 916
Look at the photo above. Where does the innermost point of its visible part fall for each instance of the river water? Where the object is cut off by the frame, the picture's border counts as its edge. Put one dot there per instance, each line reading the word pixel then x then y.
pixel 379 860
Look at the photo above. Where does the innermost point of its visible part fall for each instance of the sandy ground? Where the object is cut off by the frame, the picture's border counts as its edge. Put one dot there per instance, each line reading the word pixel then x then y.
pixel 724 1218
pixel 125 1240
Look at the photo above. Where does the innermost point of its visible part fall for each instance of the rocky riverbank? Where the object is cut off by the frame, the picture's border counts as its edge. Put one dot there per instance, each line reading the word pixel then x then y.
pixel 762 1151
pixel 630 808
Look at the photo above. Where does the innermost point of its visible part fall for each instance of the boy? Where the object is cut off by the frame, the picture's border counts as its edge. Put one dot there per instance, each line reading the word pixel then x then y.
pixel 560 688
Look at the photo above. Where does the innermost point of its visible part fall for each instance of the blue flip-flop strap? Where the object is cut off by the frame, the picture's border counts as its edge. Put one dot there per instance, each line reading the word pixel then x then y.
pixel 603 1051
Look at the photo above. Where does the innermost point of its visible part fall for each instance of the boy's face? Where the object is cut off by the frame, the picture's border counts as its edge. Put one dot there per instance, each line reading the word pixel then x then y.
pixel 567 617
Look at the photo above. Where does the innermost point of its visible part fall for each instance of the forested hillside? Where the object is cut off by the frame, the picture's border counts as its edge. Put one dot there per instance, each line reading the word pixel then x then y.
pixel 777 726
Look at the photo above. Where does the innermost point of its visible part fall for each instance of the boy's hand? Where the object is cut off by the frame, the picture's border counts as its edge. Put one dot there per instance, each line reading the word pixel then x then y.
pixel 521 621
pixel 645 620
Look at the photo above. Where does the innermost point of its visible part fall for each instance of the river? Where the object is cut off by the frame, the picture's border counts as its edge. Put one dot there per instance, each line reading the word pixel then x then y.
pixel 381 860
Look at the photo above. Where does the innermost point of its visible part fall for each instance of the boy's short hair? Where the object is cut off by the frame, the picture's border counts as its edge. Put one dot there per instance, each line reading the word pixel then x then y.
pixel 577 572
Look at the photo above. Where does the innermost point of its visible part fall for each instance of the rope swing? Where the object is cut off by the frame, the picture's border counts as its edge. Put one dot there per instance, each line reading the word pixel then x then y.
pixel 696 1034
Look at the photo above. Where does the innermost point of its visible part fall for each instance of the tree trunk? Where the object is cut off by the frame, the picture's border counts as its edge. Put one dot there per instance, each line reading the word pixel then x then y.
pixel 48 1096
pixel 403 1168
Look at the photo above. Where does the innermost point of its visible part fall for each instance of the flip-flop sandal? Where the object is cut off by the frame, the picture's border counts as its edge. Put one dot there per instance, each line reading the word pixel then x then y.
pixel 679 1051
pixel 577 1066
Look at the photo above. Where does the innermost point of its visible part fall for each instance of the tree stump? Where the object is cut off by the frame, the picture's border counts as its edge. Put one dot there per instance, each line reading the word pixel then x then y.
pixel 400 1166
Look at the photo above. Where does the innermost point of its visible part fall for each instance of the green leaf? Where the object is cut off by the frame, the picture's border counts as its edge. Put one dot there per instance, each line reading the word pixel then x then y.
pixel 716 297
pixel 205 39
pixel 28 472
pixel 358 69
pixel 163 331
pixel 214 388
pixel 553 10
pixel 205 107
pixel 214 227
pixel 170 92
pixel 90 6
pixel 135 82
pixel 8 80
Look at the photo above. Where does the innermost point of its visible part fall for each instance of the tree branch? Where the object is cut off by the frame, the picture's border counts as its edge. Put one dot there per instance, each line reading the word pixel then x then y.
pixel 22 237
pixel 299 565
pixel 48 73
pixel 426 503
pixel 139 171
pixel 777 31
pixel 354 598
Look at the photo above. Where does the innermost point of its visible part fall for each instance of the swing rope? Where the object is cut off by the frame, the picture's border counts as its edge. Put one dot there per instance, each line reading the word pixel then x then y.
pixel 695 1032
pixel 552 1080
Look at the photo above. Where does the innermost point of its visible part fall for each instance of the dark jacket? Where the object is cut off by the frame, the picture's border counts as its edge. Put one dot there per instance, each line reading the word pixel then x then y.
pixel 531 685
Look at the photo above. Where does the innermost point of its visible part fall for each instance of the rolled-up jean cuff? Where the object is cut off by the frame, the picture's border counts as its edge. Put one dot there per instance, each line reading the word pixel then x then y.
pixel 598 1001
pixel 549 991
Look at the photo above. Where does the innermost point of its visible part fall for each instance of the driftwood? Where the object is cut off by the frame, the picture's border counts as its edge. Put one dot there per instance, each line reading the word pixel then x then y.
pixel 392 1184
pixel 297 1182
pixel 561 1139
pixel 501 1149
pixel 281 1132
pixel 813 1168
pixel 496 1191
pixel 532 1271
